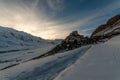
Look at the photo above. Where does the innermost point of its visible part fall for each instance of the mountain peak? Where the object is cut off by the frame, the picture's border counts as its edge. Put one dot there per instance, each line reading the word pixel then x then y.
pixel 74 33
pixel 74 36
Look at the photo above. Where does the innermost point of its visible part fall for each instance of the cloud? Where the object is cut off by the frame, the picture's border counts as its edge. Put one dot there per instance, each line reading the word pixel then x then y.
pixel 56 5
pixel 22 17
pixel 32 17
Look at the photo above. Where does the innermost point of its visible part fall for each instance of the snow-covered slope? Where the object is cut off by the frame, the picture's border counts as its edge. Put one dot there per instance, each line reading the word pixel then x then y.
pixel 23 55
pixel 12 38
pixel 17 47
pixel 101 62
pixel 42 69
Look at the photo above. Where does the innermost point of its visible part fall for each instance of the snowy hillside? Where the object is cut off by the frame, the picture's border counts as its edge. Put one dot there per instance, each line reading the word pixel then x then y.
pixel 42 69
pixel 17 47
pixel 100 62
pixel 12 38
pixel 14 57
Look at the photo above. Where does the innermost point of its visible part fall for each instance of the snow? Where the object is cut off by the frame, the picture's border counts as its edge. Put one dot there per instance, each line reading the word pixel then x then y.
pixel 16 56
pixel 43 69
pixel 13 38
pixel 17 47
pixel 100 62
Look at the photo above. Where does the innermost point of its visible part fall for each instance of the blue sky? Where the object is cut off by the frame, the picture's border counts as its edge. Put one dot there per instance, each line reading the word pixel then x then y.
pixel 53 19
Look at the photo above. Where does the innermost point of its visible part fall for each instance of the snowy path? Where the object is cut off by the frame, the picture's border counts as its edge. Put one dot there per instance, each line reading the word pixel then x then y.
pixel 50 69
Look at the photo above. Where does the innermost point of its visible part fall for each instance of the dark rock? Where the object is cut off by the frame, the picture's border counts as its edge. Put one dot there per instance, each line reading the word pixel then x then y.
pixel 100 28
pixel 74 40
pixel 110 24
pixel 113 20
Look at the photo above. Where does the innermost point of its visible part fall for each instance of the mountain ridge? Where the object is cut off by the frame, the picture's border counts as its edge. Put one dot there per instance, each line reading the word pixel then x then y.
pixel 11 37
pixel 112 22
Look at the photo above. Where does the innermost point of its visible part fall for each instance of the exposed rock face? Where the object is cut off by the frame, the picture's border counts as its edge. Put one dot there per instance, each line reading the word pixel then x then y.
pixel 111 23
pixel 113 20
pixel 100 28
pixel 73 37
pixel 74 40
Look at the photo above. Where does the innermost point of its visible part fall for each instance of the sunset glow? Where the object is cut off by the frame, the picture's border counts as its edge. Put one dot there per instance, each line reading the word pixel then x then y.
pixel 51 19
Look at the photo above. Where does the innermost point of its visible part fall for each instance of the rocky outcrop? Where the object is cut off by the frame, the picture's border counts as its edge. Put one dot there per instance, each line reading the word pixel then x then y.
pixel 74 40
pixel 111 23
pixel 113 20
pixel 108 30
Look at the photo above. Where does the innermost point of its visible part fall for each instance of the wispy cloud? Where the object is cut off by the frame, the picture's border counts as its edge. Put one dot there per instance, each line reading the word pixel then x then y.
pixel 32 17
pixel 56 5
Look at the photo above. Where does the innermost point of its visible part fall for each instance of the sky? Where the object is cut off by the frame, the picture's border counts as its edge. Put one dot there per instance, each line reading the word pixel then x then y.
pixel 55 19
